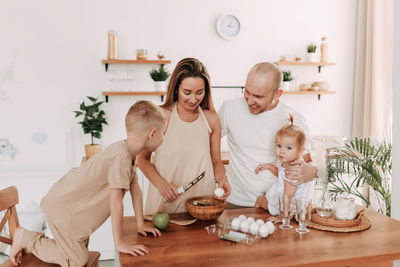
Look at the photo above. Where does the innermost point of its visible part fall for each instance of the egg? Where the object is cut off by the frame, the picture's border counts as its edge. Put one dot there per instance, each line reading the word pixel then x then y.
pixel 263 231
pixel 244 226
pixel 253 228
pixel 250 220
pixel 235 224
pixel 271 227
pixel 242 217
pixel 219 192
pixel 259 222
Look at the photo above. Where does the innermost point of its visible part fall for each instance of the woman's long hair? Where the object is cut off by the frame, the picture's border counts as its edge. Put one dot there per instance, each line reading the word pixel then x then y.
pixel 188 67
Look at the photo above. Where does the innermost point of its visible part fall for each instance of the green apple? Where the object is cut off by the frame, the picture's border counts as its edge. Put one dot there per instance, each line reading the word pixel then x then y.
pixel 161 220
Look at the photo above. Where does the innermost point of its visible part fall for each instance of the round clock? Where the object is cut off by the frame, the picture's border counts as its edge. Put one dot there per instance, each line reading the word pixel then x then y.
pixel 228 26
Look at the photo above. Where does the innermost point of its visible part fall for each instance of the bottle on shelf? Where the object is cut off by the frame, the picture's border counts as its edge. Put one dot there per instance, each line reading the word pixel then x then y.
pixel 112 44
pixel 324 49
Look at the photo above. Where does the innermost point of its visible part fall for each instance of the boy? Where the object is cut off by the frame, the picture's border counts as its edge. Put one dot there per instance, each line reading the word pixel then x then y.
pixel 86 196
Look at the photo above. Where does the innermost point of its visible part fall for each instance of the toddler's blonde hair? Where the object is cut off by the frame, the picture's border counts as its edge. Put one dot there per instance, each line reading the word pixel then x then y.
pixel 293 131
pixel 144 115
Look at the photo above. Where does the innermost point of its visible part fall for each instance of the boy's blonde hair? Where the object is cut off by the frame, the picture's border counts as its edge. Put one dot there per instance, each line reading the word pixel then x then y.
pixel 293 131
pixel 143 115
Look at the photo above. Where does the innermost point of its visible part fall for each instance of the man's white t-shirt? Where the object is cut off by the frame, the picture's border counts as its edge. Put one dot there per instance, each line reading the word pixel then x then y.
pixel 251 142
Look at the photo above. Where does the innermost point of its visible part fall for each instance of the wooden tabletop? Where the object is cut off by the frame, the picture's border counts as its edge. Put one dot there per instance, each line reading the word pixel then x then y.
pixel 192 246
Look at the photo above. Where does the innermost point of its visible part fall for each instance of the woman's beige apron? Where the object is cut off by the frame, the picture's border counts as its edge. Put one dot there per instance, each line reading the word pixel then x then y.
pixel 183 155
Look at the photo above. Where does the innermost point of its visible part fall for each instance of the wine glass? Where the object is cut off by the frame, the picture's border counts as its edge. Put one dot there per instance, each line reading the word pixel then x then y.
pixel 303 214
pixel 285 211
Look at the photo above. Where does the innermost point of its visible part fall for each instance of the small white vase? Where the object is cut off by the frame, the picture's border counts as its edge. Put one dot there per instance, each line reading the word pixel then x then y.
pixel 159 86
pixel 311 57
pixel 285 86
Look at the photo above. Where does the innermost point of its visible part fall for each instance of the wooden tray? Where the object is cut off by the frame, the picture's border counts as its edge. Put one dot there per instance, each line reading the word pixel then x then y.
pixel 360 223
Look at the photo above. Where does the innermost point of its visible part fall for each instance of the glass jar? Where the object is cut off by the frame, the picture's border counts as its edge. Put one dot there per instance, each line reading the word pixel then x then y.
pixel 112 44
pixel 141 54
pixel 345 207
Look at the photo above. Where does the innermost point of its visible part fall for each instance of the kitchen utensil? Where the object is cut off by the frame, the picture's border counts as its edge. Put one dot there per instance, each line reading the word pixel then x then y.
pixel 212 209
pixel 178 222
pixel 183 189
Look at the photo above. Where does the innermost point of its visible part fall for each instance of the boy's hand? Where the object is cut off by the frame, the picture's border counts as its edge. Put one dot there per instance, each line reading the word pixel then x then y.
pixel 132 248
pixel 169 191
pixel 144 229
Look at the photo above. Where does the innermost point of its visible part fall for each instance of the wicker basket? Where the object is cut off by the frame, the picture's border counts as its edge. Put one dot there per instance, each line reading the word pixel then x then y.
pixel 332 221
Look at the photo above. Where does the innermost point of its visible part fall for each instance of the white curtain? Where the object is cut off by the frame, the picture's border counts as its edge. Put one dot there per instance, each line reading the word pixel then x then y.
pixel 372 99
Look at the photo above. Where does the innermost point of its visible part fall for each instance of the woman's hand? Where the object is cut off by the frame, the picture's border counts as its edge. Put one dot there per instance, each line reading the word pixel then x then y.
pixel 132 248
pixel 144 229
pixel 301 171
pixel 224 184
pixel 168 191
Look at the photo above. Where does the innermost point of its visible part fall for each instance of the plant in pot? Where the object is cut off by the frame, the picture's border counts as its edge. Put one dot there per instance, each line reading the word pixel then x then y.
pixel 287 77
pixel 362 163
pixel 92 123
pixel 311 53
pixel 159 77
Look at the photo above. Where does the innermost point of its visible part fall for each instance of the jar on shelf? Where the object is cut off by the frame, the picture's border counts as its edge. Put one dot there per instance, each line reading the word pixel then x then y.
pixel 112 44
pixel 141 54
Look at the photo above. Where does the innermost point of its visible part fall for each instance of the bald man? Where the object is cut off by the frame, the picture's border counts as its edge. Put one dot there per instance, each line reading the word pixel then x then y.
pixel 250 123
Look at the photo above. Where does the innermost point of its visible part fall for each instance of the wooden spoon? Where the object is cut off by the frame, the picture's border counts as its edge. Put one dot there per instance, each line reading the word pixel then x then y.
pixel 180 222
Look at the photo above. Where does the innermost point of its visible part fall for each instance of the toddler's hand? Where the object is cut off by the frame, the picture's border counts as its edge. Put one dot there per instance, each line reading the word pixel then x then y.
pixel 143 230
pixel 262 167
pixel 132 248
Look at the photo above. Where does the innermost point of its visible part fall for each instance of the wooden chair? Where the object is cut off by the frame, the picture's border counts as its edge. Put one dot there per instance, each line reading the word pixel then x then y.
pixel 8 200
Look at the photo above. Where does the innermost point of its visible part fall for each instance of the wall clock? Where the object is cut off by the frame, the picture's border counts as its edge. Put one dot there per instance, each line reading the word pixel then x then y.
pixel 228 26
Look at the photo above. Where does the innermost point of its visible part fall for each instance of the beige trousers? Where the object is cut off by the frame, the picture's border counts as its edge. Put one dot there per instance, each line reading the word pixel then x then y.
pixel 60 250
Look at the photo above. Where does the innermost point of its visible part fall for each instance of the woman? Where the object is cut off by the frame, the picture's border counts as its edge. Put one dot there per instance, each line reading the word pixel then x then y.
pixel 191 143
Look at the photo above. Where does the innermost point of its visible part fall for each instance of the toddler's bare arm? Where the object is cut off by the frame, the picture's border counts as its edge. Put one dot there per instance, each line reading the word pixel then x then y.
pixel 268 166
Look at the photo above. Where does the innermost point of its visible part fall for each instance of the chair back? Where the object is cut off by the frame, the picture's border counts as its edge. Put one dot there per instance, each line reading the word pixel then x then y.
pixel 8 200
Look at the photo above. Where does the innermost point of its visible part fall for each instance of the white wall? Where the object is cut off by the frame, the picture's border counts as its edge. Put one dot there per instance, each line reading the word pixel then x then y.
pixel 54 50
pixel 396 116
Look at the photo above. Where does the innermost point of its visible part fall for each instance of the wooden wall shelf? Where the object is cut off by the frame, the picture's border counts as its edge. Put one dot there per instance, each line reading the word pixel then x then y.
pixel 296 63
pixel 117 93
pixel 319 93
pixel 162 94
pixel 132 61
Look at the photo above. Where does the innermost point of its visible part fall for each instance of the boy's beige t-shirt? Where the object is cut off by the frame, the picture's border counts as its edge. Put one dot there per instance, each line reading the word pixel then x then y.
pixel 79 203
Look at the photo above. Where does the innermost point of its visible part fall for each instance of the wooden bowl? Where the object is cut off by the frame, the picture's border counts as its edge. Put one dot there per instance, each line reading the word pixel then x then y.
pixel 208 207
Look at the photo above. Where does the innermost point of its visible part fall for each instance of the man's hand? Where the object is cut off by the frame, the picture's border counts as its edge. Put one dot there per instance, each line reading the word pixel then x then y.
pixel 144 229
pixel 261 202
pixel 301 171
pixel 132 248
pixel 168 191
pixel 224 184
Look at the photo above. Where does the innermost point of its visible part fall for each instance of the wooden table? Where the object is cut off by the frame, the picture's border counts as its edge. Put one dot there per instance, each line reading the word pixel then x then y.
pixel 192 246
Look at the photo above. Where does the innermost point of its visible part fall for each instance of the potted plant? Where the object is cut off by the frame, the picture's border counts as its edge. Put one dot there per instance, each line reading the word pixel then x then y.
pixel 92 123
pixel 287 77
pixel 311 53
pixel 159 77
pixel 361 162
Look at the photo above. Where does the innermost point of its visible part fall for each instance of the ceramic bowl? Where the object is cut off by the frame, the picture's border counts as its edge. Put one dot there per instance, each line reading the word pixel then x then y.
pixel 205 208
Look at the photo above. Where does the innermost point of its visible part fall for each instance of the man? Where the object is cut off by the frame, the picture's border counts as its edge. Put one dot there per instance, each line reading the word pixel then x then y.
pixel 250 123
